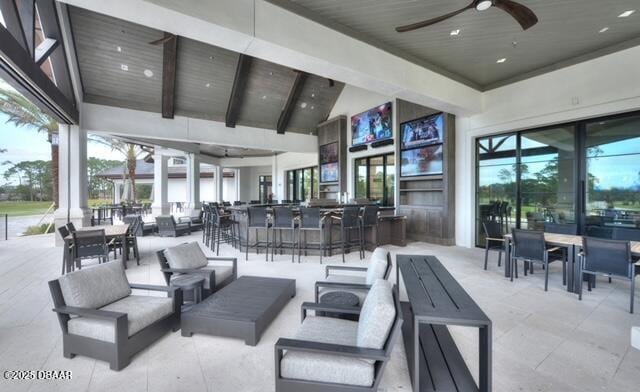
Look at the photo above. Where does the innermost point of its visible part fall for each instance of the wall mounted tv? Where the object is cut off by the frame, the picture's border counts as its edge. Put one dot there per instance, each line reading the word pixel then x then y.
pixel 329 172
pixel 424 131
pixel 422 161
pixel 329 153
pixel 373 125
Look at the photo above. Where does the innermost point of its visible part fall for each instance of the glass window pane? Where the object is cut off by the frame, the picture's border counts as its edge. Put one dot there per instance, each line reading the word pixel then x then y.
pixel 546 145
pixel 390 180
pixel 497 150
pixel 361 178
pixel 306 180
pixel 376 179
pixel 316 183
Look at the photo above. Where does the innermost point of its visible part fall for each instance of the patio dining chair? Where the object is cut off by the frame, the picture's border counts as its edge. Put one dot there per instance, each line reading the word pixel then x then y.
pixel 530 247
pixel 493 241
pixel 68 251
pixel 89 244
pixel 610 258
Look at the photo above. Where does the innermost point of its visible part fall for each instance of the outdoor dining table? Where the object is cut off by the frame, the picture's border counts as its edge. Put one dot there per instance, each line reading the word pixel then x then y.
pixel 110 232
pixel 572 244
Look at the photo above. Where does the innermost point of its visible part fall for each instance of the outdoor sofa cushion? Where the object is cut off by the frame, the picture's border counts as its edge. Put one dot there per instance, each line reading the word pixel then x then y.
pixel 96 286
pixel 141 311
pixel 186 256
pixel 377 265
pixel 327 367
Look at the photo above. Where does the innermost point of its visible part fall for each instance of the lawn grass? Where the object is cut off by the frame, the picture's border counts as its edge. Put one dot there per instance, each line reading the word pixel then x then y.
pixel 21 208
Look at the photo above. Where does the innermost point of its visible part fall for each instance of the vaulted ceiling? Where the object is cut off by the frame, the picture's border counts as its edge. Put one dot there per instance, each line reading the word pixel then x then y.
pixel 120 67
pixel 568 32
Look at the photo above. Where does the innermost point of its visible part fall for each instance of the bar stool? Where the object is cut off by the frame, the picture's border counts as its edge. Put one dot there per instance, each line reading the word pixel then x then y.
pixel 206 221
pixel 257 219
pixel 222 227
pixel 283 219
pixel 310 220
pixel 350 220
pixel 369 219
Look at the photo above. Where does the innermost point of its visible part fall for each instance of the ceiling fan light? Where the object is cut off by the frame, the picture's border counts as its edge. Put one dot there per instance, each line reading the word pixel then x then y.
pixel 484 5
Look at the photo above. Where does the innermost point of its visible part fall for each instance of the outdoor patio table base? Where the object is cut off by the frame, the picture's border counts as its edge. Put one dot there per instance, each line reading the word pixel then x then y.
pixel 243 309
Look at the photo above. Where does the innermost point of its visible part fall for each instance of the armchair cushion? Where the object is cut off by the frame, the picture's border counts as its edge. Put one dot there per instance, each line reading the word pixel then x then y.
pixel 377 266
pixel 96 286
pixel 141 311
pixel 377 316
pixel 222 273
pixel 327 367
pixel 186 256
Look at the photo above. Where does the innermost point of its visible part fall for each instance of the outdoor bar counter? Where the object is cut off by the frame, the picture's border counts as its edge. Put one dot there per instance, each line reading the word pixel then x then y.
pixel 391 228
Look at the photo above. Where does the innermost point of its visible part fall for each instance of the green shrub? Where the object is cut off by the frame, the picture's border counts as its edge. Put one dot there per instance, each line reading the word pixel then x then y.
pixel 33 230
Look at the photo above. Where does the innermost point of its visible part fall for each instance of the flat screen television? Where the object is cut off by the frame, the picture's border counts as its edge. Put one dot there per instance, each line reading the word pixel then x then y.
pixel 329 172
pixel 421 161
pixel 373 125
pixel 424 131
pixel 329 153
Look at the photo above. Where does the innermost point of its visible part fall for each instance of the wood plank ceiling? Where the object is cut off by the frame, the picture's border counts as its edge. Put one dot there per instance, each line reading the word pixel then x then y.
pixel 568 32
pixel 119 67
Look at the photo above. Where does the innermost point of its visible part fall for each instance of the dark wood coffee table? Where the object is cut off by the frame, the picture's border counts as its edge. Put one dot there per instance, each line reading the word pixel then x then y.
pixel 243 309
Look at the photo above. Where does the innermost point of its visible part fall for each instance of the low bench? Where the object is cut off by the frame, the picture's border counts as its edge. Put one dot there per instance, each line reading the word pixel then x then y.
pixel 436 300
pixel 242 309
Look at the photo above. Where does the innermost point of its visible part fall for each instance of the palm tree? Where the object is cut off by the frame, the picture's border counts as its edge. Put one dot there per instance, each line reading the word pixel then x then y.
pixel 130 151
pixel 23 113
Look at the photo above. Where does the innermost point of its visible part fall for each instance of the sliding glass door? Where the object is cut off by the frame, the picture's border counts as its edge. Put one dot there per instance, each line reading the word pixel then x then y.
pixel 375 179
pixel 612 180
pixel 585 173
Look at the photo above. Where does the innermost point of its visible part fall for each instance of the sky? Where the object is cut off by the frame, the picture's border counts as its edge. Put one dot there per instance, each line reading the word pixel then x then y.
pixel 26 144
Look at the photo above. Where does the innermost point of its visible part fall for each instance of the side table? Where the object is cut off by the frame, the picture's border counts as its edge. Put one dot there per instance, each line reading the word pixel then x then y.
pixel 190 282
pixel 342 298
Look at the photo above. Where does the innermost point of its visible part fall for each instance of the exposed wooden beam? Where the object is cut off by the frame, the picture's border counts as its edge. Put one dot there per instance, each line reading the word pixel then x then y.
pixel 169 57
pixel 49 19
pixel 294 94
pixel 27 12
pixel 11 18
pixel 19 70
pixel 44 50
pixel 239 82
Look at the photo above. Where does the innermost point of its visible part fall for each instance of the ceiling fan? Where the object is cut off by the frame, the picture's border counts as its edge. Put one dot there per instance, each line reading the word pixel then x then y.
pixel 519 12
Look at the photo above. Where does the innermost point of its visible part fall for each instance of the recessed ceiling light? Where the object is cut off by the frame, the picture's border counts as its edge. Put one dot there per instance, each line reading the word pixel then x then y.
pixel 303 105
pixel 312 107
pixel 603 30
pixel 119 49
pixel 148 73
pixel 124 67
pixel 207 85
pixel 264 97
pixel 626 14
pixel 502 60
pixel 455 32
pixel 313 95
pixel 484 5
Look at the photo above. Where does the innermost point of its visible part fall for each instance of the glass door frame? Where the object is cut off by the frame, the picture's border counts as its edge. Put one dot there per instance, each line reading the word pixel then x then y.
pixel 385 195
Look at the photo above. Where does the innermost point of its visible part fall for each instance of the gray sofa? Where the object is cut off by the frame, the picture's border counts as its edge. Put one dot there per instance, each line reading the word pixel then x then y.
pixel 356 280
pixel 188 258
pixel 330 354
pixel 101 318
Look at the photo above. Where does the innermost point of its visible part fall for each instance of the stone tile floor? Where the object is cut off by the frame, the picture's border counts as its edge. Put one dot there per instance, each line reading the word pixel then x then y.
pixel 543 341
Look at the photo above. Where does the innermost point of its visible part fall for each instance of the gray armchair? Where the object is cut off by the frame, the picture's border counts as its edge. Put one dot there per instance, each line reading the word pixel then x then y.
pixel 189 259
pixel 100 318
pixel 330 354
pixel 379 268
pixel 167 226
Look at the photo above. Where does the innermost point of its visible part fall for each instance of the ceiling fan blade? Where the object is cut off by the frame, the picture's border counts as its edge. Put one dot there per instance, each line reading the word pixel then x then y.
pixel 425 23
pixel 162 40
pixel 519 12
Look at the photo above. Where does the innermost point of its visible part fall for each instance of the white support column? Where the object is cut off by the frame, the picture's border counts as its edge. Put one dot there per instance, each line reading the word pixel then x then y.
pixel 219 179
pixel 193 183
pixel 116 192
pixel 160 204
pixel 274 179
pixel 72 179
pixel 236 176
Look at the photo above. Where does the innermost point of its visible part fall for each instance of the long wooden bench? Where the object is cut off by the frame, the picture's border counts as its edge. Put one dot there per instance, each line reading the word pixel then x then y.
pixel 436 300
